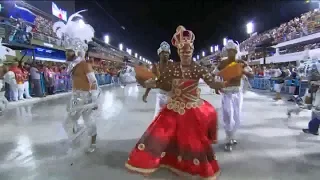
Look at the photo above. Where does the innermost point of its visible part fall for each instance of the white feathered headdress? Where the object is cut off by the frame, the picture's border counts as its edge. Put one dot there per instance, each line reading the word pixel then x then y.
pixel 164 46
pixel 232 45
pixel 75 34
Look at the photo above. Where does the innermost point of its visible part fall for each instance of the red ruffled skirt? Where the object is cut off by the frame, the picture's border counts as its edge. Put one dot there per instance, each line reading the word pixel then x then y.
pixel 182 143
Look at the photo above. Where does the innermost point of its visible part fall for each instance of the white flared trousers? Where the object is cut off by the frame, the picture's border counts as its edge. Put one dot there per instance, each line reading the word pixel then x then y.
pixel 161 101
pixel 231 112
pixel 79 106
pixel 89 121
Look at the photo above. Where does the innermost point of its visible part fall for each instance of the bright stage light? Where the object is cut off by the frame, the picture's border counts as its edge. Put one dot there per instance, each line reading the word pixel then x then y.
pixel 224 41
pixel 120 47
pixel 250 28
pixel 106 39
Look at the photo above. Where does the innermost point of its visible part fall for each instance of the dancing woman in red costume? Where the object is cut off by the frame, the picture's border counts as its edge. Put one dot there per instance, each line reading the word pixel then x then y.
pixel 180 136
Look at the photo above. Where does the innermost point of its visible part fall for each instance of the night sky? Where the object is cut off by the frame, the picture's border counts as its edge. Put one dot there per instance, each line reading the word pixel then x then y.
pixel 148 23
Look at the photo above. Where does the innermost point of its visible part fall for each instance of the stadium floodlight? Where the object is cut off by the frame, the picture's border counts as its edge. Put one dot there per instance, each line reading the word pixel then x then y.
pixel 140 57
pixel 194 59
pixel 198 57
pixel 203 54
pixel 211 49
pixel 106 39
pixel 121 47
pixel 224 41
pixel 216 48
pixel 143 59
pixel 250 28
pixel 129 51
pixel 136 55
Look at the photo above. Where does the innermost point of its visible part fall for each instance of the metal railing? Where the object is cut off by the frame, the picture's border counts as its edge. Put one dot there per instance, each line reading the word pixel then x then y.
pixel 265 83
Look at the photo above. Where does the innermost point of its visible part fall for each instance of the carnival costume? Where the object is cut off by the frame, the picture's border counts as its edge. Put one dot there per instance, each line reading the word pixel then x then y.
pixel 304 69
pixel 127 75
pixel 180 136
pixel 313 73
pixel 232 97
pixel 311 70
pixel 85 91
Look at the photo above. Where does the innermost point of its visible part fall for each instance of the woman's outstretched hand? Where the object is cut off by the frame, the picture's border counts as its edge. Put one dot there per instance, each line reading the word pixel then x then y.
pixel 218 86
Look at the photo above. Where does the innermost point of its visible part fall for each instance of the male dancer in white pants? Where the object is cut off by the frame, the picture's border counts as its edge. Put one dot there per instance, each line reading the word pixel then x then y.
pixel 164 53
pixel 232 96
pixel 85 91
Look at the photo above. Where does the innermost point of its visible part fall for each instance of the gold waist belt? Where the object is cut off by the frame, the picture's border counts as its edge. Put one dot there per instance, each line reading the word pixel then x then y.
pixel 180 106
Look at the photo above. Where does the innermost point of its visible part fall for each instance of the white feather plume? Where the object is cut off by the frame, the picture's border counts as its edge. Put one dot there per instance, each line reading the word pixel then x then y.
pixel 77 14
pixel 76 34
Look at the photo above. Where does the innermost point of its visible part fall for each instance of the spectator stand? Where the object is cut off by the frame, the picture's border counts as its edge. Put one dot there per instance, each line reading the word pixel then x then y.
pixel 14 40
pixel 264 83
pixel 103 79
pixel 63 82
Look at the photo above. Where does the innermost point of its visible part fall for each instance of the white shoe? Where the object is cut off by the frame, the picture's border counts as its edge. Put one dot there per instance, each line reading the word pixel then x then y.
pixel 228 147
pixel 92 148
pixel 234 142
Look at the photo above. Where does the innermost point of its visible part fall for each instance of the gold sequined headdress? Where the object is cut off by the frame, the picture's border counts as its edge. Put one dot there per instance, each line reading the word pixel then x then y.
pixel 182 37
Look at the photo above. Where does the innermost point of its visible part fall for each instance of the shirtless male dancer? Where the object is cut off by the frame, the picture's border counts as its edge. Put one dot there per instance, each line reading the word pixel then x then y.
pixel 164 53
pixel 232 95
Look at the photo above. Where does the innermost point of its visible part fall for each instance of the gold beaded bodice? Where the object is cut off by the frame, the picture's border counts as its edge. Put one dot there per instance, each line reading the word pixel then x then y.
pixel 185 94
pixel 183 84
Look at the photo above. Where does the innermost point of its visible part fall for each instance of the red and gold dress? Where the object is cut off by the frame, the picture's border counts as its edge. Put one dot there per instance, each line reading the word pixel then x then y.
pixel 180 137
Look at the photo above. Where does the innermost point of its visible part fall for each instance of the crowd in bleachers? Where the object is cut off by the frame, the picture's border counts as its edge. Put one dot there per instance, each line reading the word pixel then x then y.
pixel 21 31
pixel 306 24
pixel 44 26
pixel 47 78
